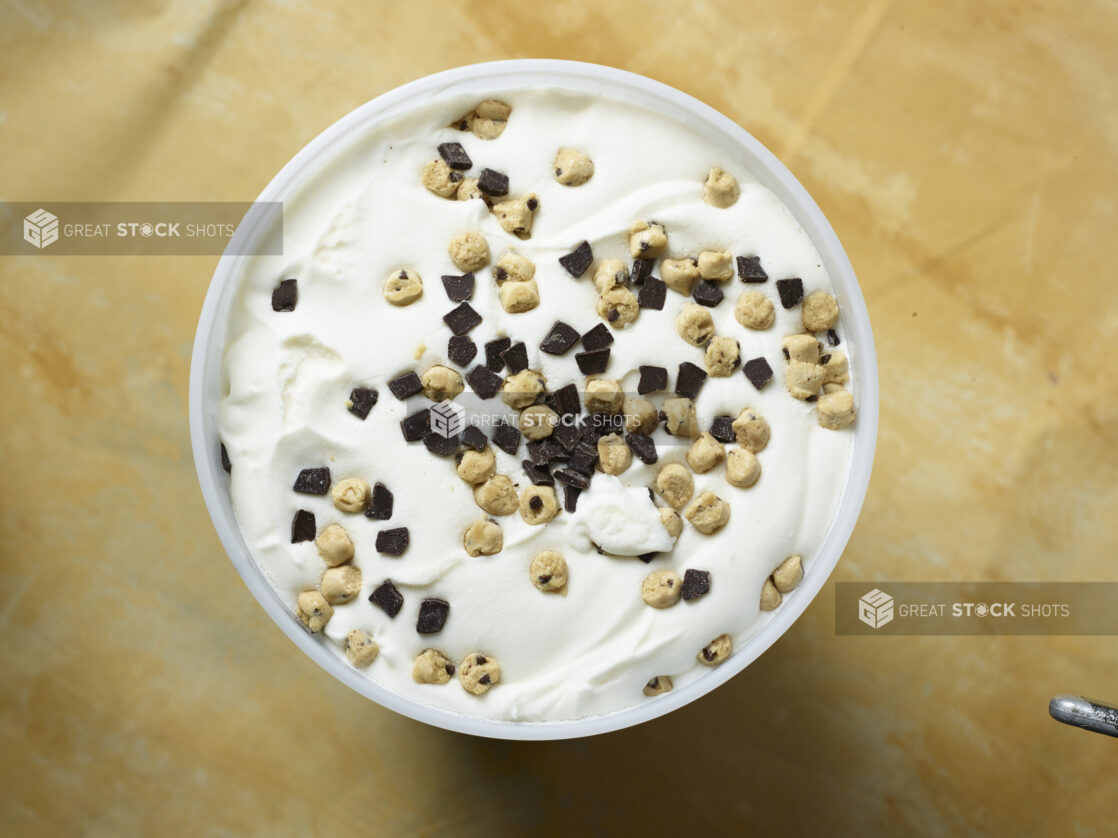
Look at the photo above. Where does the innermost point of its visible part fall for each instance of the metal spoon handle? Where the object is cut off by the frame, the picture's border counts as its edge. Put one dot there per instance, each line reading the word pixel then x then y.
pixel 1086 713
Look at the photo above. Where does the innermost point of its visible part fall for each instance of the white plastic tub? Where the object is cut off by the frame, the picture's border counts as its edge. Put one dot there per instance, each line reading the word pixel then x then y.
pixel 489 80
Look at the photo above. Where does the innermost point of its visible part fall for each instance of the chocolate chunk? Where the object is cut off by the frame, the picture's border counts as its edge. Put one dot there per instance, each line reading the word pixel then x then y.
pixel 565 435
pixel 516 357
pixel 462 319
pixel 416 425
pixel 494 184
pixel 750 270
pixel 474 437
pixel 361 401
pixel 225 462
pixel 380 504
pixel 538 453
pixel 552 450
pixel 601 424
pixel 578 260
pixel 570 477
pixel 455 156
pixel 791 291
pixel 833 338
pixel 707 293
pixel 689 380
pixel 642 270
pixel 758 372
pixel 303 527
pixel 597 338
pixel 652 380
pixel 507 438
pixel 566 401
pixel 493 350
pixel 560 339
pixel 484 382
pixel 405 385
pixel 393 542
pixel 570 497
pixel 643 448
pixel 538 474
pixel 722 428
pixel 458 288
pixel 313 481
pixel 388 598
pixel 460 349
pixel 696 583
pixel 439 445
pixel 584 457
pixel 432 615
pixel 593 363
pixel 647 557
pixel 285 295
pixel 653 294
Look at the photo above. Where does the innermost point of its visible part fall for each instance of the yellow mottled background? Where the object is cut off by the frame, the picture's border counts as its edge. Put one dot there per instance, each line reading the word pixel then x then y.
pixel 966 152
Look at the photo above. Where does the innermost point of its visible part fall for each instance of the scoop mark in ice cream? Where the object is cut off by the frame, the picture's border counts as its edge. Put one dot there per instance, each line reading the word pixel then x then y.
pixel 313 481
pixel 393 542
pixel 285 295
pixel 362 400
pixel 388 598
pixel 578 260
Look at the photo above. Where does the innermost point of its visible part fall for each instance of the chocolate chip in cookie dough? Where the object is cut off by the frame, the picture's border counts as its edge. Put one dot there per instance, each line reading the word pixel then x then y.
pixel 285 295
pixel 313 481
pixel 516 357
pixel 388 598
pixel 560 339
pixel 455 156
pixel 539 474
pixel 225 462
pixel 460 349
pixel 750 270
pixel 707 293
pixel 653 294
pixel 303 527
pixel 696 583
pixel 432 615
pixel 361 401
pixel 721 428
pixel 689 380
pixel 791 291
pixel 507 438
pixel 593 363
pixel 493 350
pixel 643 448
pixel 380 504
pixel 403 386
pixel 474 437
pixel 494 184
pixel 462 319
pixel 758 371
pixel 570 498
pixel 833 338
pixel 570 477
pixel 642 270
pixel 459 288
pixel 484 382
pixel 652 380
pixel 416 425
pixel 578 260
pixel 393 542
pixel 439 445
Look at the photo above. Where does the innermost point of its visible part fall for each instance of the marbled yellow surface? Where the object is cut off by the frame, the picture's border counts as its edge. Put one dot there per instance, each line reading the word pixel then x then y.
pixel 966 153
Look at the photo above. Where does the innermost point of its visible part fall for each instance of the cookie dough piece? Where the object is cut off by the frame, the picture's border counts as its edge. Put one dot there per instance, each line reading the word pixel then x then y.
pixel 334 545
pixel 679 417
pixel 573 168
pixel 351 495
pixel 743 469
pixel 468 189
pixel 755 311
pixel 656 686
pixel 513 267
pixel 439 178
pixel 803 348
pixel 538 505
pixel 538 421
pixel 721 189
pixel 705 453
pixel 836 409
pixel 671 521
pixel 695 324
pixel 469 251
pixel 431 667
pixel 751 430
pixel 717 265
pixel 522 389
pixel 313 611
pixel 661 589
pixel 483 538
pixel 614 454
pixel 360 648
pixel 723 357
pixel 803 380
pixel 441 383
pixel 340 584
pixel 618 307
pixel 477 466
pixel 641 415
pixel 836 368
pixel 820 312
pixel 519 297
pixel 647 239
pixel 717 650
pixel 515 215
pixel 770 596
pixel 489 119
pixel 497 495
pixel 604 395
pixel 680 274
pixel 403 287
pixel 610 274
pixel 478 672
pixel 549 572
pixel 708 513
pixel 675 485
pixel 789 574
